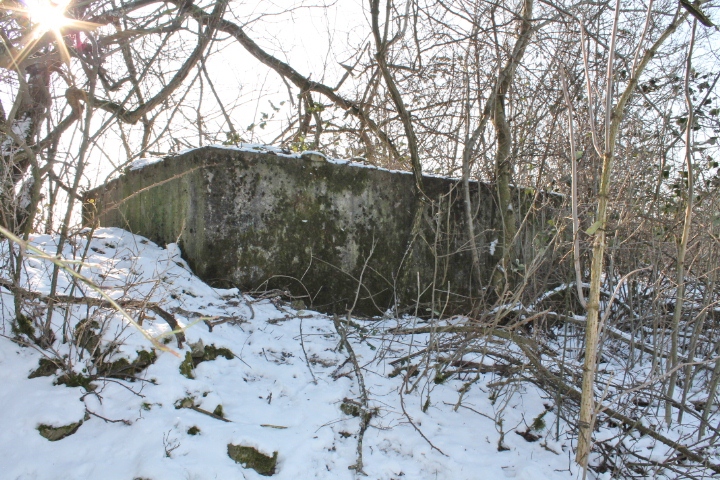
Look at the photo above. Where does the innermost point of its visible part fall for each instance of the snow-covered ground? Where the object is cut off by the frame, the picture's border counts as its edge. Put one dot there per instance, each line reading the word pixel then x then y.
pixel 282 391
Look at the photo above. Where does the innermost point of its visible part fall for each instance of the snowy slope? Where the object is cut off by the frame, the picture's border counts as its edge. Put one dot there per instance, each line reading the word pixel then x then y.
pixel 282 392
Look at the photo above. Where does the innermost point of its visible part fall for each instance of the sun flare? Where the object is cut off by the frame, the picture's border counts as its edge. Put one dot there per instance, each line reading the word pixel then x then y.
pixel 48 15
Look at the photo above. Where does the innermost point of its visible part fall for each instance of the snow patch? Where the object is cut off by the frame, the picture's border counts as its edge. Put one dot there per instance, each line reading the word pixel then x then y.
pixel 493 245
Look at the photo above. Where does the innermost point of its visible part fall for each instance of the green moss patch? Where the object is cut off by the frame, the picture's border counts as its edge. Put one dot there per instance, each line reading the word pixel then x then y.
pixel 73 379
pixel 250 457
pixel 123 368
pixel 212 352
pixel 58 433
pixel 193 430
pixel 538 423
pixel 441 377
pixel 187 367
pixel 145 358
pixel 23 326
pixel 46 367
pixel 351 408
pixel 201 354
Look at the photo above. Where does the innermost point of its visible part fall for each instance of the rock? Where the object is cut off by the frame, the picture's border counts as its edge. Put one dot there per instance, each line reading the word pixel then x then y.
pixel 250 457
pixel 298 305
pixel 46 368
pixel 314 157
pixel 58 433
pixel 199 354
pixel 197 349
pixel 187 402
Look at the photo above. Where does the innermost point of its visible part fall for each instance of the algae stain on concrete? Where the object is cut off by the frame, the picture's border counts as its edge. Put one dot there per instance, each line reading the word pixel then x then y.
pixel 255 220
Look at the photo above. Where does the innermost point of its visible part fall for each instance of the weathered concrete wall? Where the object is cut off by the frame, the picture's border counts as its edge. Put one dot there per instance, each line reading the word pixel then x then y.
pixel 326 231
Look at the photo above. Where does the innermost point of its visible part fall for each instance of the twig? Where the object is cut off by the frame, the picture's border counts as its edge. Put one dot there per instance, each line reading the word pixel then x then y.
pixel 101 303
pixel 407 415
pixel 569 391
pixel 107 420
pixel 114 380
pixel 209 414
pixel 307 361
pixel 366 412
pixel 336 373
pixel 473 410
pixel 407 357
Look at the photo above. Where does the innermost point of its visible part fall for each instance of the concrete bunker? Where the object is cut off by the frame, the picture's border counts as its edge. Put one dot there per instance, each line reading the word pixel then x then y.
pixel 337 234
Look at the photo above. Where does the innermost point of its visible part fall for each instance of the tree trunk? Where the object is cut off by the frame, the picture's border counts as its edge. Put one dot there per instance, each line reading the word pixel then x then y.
pixel 672 364
pixel 503 162
pixel 613 118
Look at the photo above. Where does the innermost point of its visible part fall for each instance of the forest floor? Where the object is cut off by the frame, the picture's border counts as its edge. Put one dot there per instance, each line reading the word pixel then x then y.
pixel 252 372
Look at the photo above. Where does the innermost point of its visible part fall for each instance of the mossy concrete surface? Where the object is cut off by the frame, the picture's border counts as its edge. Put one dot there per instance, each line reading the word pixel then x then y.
pixel 325 231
